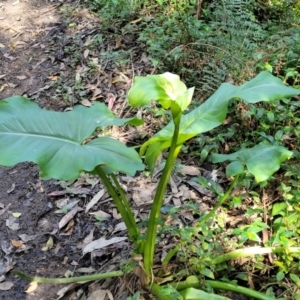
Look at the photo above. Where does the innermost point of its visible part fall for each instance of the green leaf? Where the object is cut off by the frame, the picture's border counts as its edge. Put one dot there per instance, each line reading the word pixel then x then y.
pixel 234 168
pixel 165 88
pixel 261 161
pixel 253 237
pixel 56 140
pixel 212 113
pixel 208 273
pixel 296 279
pixel 279 209
pixel 280 276
pixel 194 294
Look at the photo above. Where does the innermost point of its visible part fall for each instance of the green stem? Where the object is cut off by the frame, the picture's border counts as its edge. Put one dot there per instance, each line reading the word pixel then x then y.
pixel 130 215
pixel 173 251
pixel 156 290
pixel 237 289
pixel 193 282
pixel 70 279
pixel 158 199
pixel 251 251
pixel 133 230
pixel 221 201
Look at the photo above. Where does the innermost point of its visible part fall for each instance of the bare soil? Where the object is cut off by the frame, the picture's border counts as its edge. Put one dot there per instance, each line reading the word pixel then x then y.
pixel 35 62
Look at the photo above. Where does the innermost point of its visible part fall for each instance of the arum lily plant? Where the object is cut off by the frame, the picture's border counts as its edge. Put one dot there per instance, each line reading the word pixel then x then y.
pixel 64 144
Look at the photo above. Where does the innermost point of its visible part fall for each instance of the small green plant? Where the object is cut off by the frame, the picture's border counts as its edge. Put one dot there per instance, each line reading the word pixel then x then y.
pixel 61 144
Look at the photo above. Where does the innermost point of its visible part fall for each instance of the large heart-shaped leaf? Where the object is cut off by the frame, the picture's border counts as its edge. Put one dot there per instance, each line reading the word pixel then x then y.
pixel 212 113
pixel 262 160
pixel 56 140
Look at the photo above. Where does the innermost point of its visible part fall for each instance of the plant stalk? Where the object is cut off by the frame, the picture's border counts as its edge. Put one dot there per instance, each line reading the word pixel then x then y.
pixel 70 279
pixel 122 205
pixel 158 199
pixel 156 290
pixel 251 251
pixel 193 282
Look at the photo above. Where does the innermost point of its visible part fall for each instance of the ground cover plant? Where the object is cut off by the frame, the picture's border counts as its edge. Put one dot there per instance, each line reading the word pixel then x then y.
pixel 199 39
pixel 64 144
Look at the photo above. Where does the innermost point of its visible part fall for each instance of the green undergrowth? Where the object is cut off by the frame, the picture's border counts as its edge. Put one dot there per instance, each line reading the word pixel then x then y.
pixel 223 40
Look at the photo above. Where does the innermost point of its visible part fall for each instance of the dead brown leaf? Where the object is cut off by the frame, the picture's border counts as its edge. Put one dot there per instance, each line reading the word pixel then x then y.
pixel 95 200
pixel 86 103
pixel 102 243
pixel 26 238
pixel 111 98
pixel 65 220
pixel 6 285
pixel 11 188
pixel 12 223
pixel 190 170
pixel 32 287
pixel 11 58
pixel 97 295
pixel 17 244
pixel 22 77
pixel 86 53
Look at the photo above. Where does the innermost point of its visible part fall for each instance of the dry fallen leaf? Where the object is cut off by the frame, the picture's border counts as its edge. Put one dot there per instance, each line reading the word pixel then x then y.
pixel 11 188
pixel 53 77
pixel 65 220
pixel 20 44
pixel 101 213
pixel 120 227
pixel 86 270
pixel 26 238
pixel 6 285
pixel 97 295
pixel 12 223
pixel 88 41
pixel 17 244
pixel 32 287
pixel 2 76
pixel 102 243
pixel 190 170
pixel 96 94
pixel 12 85
pixel 11 58
pixel 118 43
pixel 49 244
pixel 61 293
pixel 22 77
pixel 86 53
pixel 111 98
pixel 86 102
pixel 95 200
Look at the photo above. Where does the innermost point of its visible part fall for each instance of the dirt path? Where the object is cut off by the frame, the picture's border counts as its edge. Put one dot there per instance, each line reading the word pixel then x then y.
pixel 32 34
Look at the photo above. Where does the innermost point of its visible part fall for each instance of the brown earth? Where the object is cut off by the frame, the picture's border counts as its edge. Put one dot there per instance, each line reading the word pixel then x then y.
pixel 36 59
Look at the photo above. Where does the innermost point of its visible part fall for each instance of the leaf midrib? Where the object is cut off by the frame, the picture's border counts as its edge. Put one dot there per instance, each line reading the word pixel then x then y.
pixel 50 137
